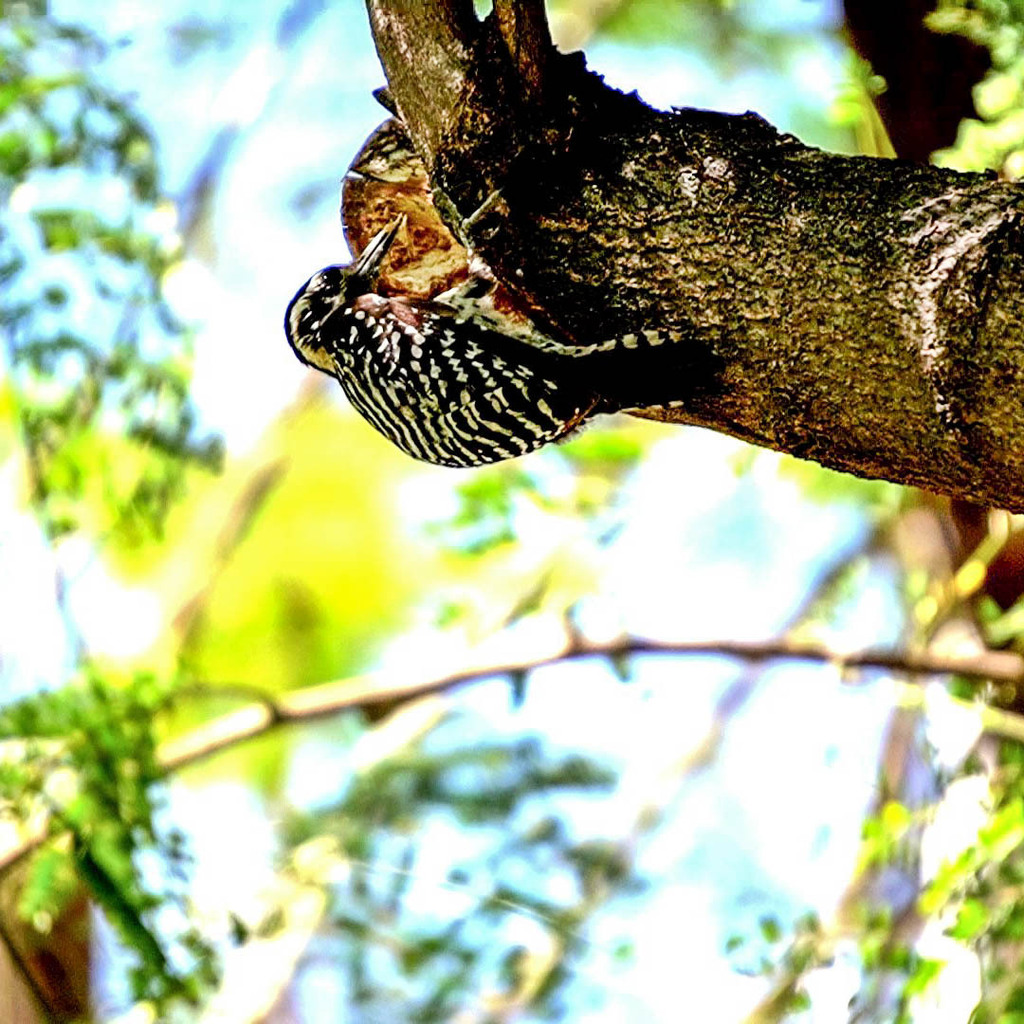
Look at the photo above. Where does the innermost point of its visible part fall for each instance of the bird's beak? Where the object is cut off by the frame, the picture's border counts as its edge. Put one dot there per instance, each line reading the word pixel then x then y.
pixel 372 256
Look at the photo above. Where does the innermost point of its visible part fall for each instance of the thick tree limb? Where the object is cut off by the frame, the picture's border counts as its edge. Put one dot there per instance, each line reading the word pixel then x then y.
pixel 863 313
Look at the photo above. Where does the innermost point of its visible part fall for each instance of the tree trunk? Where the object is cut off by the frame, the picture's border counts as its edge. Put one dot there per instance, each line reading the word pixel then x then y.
pixel 928 77
pixel 860 312
pixel 17 1005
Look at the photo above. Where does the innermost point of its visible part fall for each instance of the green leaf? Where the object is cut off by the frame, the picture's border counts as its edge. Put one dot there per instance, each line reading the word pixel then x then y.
pixel 971 919
pixel 1004 832
pixel 771 930
pixel 925 972
pixel 15 155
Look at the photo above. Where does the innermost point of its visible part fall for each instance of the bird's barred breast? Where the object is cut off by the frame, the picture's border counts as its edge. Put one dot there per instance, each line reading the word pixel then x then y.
pixel 445 390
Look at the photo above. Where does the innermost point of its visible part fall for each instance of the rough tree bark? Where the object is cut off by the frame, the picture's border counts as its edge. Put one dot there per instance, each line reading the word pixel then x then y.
pixel 863 313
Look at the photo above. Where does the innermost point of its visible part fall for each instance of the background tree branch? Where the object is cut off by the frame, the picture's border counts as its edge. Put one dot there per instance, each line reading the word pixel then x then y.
pixel 859 312
pixel 265 712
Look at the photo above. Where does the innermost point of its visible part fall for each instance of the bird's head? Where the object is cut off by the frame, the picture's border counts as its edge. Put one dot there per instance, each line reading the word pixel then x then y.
pixel 329 292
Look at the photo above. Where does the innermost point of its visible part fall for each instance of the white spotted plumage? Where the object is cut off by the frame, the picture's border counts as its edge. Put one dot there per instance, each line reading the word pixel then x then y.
pixel 447 385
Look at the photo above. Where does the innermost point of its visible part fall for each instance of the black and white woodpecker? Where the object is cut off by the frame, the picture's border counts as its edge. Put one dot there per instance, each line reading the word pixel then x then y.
pixel 444 382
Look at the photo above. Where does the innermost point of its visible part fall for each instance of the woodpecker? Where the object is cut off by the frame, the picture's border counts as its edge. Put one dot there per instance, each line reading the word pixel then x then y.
pixel 441 379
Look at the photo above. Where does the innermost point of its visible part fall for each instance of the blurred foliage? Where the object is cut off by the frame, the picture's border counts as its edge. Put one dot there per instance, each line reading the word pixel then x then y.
pixel 303 572
pixel 733 29
pixel 586 484
pixel 86 757
pixel 854 107
pixel 995 141
pixel 972 895
pixel 426 929
pixel 531 538
pixel 96 412
pixel 97 367
pixel 729 40
pixel 881 499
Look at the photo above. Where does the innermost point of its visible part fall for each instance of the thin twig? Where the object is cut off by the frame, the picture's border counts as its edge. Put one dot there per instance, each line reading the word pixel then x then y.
pixel 245 509
pixel 329 699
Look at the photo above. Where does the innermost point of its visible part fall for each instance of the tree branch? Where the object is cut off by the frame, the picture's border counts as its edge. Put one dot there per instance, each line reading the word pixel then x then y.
pixel 329 699
pixel 18 971
pixel 863 313
pixel 523 25
pixel 269 711
pixel 427 51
